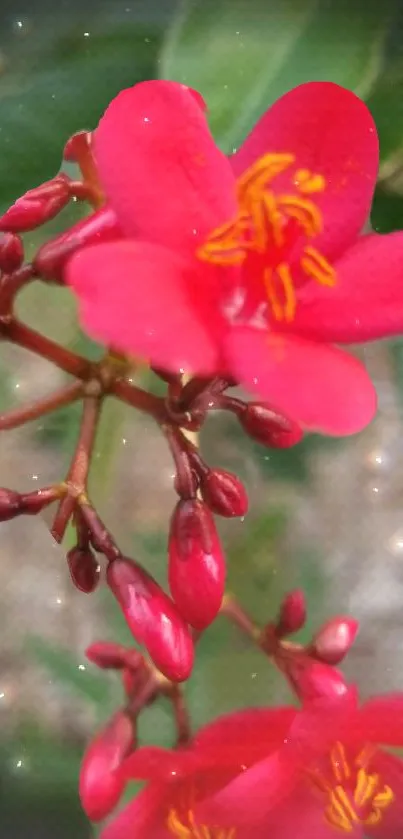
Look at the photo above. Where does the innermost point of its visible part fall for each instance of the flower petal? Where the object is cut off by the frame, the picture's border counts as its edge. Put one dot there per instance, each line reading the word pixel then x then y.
pixel 319 386
pixel 250 797
pixel 367 300
pixel 133 296
pixel 302 815
pixel 141 817
pixel 160 168
pixel 390 769
pixel 331 133
pixel 380 720
pixel 249 734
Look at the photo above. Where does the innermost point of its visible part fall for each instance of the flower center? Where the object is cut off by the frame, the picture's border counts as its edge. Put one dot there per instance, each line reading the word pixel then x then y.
pixel 186 828
pixel 354 795
pixel 267 226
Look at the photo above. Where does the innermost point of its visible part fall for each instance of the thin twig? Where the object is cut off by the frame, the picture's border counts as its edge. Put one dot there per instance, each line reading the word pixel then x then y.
pixel 77 476
pixel 138 398
pixel 64 396
pixel 18 333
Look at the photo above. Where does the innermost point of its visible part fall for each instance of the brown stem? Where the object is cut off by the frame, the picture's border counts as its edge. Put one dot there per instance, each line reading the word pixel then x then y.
pixel 182 717
pixel 77 476
pixel 10 285
pixel 186 481
pixel 146 694
pixel 65 396
pixel 197 391
pixel 18 333
pixel 138 398
pixel 100 537
pixel 232 610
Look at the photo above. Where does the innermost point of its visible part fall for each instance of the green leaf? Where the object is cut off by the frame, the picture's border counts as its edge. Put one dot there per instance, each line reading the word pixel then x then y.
pixel 242 56
pixel 68 671
pixel 42 110
pixel 387 210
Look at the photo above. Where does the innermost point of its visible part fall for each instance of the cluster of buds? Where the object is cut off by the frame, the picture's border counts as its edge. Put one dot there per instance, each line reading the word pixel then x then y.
pixel 308 668
pixel 165 626
pixel 100 785
pixel 196 564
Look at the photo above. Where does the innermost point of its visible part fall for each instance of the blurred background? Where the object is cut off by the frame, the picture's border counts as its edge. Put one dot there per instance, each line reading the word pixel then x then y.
pixel 326 516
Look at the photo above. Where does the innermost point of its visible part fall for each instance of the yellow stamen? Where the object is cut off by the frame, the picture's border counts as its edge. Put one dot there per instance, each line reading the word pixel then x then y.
pixel 357 798
pixel 339 762
pixel 188 829
pixel 261 227
pixel 282 309
pixel 316 266
pixel 365 788
pixel 307 182
pixel 261 173
pixel 290 302
pixel 304 211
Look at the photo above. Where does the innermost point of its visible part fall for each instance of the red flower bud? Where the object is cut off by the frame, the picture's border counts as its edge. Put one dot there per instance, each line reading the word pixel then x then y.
pixel 76 145
pixel 315 680
pixel 224 493
pixel 152 618
pixel 107 655
pixel 10 504
pixel 196 563
pixel 268 428
pixel 37 205
pixel 11 252
pixel 33 502
pixel 292 615
pixel 335 638
pixel 111 656
pixel 100 787
pixel 50 261
pixel 84 569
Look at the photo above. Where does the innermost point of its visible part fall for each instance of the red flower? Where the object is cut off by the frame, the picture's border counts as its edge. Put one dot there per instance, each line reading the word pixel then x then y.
pixel 252 266
pixel 318 772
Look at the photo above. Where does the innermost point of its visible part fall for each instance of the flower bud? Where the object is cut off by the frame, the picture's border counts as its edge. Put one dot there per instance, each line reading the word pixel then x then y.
pixel 224 493
pixel 11 252
pixel 107 655
pixel 315 680
pixel 152 618
pixel 196 563
pixel 100 786
pixel 292 615
pixel 37 206
pixel 334 640
pixel 34 502
pixel 84 569
pixel 50 261
pixel 110 656
pixel 269 428
pixel 76 145
pixel 10 504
